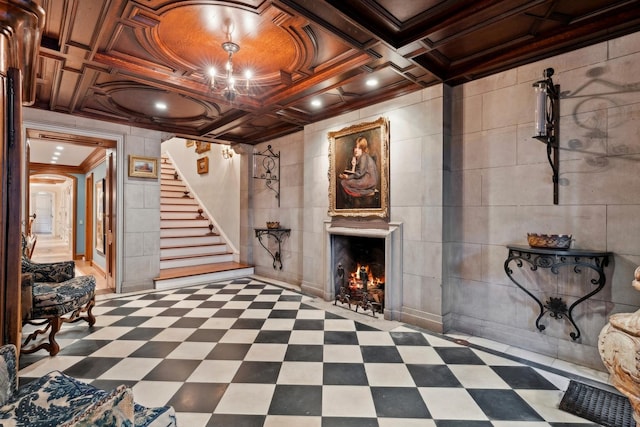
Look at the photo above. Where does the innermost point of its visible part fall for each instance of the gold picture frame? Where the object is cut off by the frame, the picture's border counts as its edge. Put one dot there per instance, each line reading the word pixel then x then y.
pixel 143 167
pixel 203 165
pixel 202 147
pixel 99 215
pixel 359 170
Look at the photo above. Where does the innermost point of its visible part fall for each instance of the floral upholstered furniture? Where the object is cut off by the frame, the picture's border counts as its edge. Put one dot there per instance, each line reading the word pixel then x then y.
pixel 57 400
pixel 51 296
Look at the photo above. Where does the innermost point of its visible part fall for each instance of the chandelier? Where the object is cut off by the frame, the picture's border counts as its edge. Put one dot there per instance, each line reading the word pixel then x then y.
pixel 227 83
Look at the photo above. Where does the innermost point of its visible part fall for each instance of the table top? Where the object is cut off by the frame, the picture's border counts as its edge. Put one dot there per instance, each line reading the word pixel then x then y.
pixel 552 251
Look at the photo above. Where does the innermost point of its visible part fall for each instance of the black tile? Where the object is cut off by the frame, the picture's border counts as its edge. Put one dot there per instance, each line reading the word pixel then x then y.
pixel 227 351
pixel 235 420
pixel 409 338
pixel 504 405
pixel 240 281
pixel 233 313
pixel 271 291
pixel 119 302
pixel 108 385
pixel 185 291
pixel 349 422
pixel 304 353
pixel 131 321
pixel 92 367
pixel 243 298
pixel 340 337
pixel 121 311
pixel 172 370
pixel 175 312
pixel 296 400
pixel 206 335
pixel 254 286
pixel 248 323
pixel 261 305
pixel 212 304
pixel 257 372
pixel 155 349
pixel 380 354
pixel 197 397
pixel 433 376
pixel 290 298
pixel 197 297
pixel 304 306
pixel 189 322
pixel 228 291
pixel 344 374
pixel 363 327
pixel 399 402
pixel 467 423
pixel 328 315
pixel 273 337
pixel 215 286
pixel 523 377
pixel 83 347
pixel 283 314
pixel 151 296
pixel 163 303
pixel 141 334
pixel 308 325
pixel 458 356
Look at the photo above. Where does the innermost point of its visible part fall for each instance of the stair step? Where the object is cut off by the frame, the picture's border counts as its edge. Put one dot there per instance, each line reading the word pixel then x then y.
pixel 193 261
pixel 193 251
pixel 178 223
pixel 185 232
pixel 179 208
pixel 189 276
pixel 178 201
pixel 179 241
pixel 181 215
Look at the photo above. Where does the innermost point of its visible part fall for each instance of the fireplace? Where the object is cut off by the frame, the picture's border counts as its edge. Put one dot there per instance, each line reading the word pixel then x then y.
pixel 366 265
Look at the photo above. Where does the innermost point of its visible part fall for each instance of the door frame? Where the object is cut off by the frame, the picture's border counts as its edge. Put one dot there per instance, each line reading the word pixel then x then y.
pixel 118 236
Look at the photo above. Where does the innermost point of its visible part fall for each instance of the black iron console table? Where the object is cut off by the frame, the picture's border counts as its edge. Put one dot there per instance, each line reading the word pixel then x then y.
pixel 278 234
pixel 554 259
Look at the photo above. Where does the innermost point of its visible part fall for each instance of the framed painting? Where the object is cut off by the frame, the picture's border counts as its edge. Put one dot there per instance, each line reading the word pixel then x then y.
pixel 359 170
pixel 143 167
pixel 202 147
pixel 203 165
pixel 99 215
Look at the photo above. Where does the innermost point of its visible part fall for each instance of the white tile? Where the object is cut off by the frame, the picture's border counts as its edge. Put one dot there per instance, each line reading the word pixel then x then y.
pixel 118 349
pixel 159 322
pixel 310 314
pixel 477 376
pixel 218 323
pixel 192 350
pixel 374 338
pixel 134 368
pixel 155 393
pixel 110 333
pixel 302 373
pixel 342 354
pixel 388 375
pixel 339 325
pixel 266 352
pixel 291 421
pixel 48 364
pixel 418 354
pixel 405 422
pixel 174 334
pixel 451 404
pixel 255 314
pixel 250 399
pixel 278 324
pixel 545 403
pixel 360 401
pixel 307 337
pixel 192 419
pixel 241 336
pixel 215 371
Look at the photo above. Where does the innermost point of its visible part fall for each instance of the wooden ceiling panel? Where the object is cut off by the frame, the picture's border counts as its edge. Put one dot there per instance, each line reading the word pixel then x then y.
pixel 115 59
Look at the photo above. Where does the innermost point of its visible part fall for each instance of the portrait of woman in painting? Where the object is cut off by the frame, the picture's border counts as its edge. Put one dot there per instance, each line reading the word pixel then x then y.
pixel 361 179
pixel 359 170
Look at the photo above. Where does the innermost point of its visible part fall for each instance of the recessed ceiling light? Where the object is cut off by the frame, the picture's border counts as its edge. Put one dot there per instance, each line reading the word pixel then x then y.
pixel 59 147
pixel 55 158
pixel 52 161
pixel 56 153
pixel 161 106
pixel 372 82
pixel 316 103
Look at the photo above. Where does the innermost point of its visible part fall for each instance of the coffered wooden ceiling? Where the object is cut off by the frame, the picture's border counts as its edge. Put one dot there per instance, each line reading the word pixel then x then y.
pixel 115 59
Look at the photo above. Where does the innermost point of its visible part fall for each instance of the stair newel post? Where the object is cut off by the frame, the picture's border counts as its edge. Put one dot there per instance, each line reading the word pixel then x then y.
pixel 210 233
pixel 200 216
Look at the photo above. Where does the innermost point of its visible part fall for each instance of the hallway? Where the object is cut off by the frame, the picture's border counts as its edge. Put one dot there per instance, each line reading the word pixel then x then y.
pixel 50 248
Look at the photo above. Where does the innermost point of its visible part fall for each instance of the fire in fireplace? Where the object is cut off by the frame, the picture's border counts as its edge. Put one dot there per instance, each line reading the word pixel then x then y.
pixel 360 276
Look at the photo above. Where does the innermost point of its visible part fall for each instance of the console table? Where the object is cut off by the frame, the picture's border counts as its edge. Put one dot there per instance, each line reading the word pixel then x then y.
pixel 278 235
pixel 554 259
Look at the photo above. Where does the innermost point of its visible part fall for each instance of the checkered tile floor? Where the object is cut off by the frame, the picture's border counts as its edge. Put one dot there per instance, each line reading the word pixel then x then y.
pixel 244 353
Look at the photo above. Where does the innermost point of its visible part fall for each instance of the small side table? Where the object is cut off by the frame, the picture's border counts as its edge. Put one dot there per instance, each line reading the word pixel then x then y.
pixel 278 235
pixel 554 259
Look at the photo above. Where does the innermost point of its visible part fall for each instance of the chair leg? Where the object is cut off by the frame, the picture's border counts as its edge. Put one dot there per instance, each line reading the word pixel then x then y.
pixel 76 315
pixel 53 325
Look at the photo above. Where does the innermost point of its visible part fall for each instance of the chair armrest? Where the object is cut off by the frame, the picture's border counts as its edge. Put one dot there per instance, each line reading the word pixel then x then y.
pixel 8 372
pixel 26 295
pixel 51 272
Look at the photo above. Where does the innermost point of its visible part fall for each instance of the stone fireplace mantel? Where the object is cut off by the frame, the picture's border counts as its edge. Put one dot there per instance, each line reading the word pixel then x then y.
pixel 392 236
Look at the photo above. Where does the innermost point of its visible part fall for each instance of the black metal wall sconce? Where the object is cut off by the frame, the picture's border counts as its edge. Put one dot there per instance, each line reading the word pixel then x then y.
pixel 266 165
pixel 547 126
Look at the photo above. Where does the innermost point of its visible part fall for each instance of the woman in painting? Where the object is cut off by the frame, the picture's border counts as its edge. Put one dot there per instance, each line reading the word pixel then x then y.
pixel 362 179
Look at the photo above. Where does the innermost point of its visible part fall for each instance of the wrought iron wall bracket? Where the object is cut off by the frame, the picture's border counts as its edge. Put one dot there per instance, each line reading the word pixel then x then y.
pixel 278 235
pixel 266 166
pixel 554 260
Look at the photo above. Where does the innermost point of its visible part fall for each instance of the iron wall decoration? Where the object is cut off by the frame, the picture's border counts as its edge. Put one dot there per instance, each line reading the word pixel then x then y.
pixel 266 166
pixel 547 115
pixel 359 170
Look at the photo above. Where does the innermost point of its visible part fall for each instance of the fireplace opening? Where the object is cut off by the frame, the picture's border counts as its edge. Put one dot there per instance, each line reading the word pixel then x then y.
pixel 359 266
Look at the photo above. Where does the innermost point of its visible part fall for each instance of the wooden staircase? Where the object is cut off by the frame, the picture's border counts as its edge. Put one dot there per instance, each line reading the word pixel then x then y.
pixel 191 251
